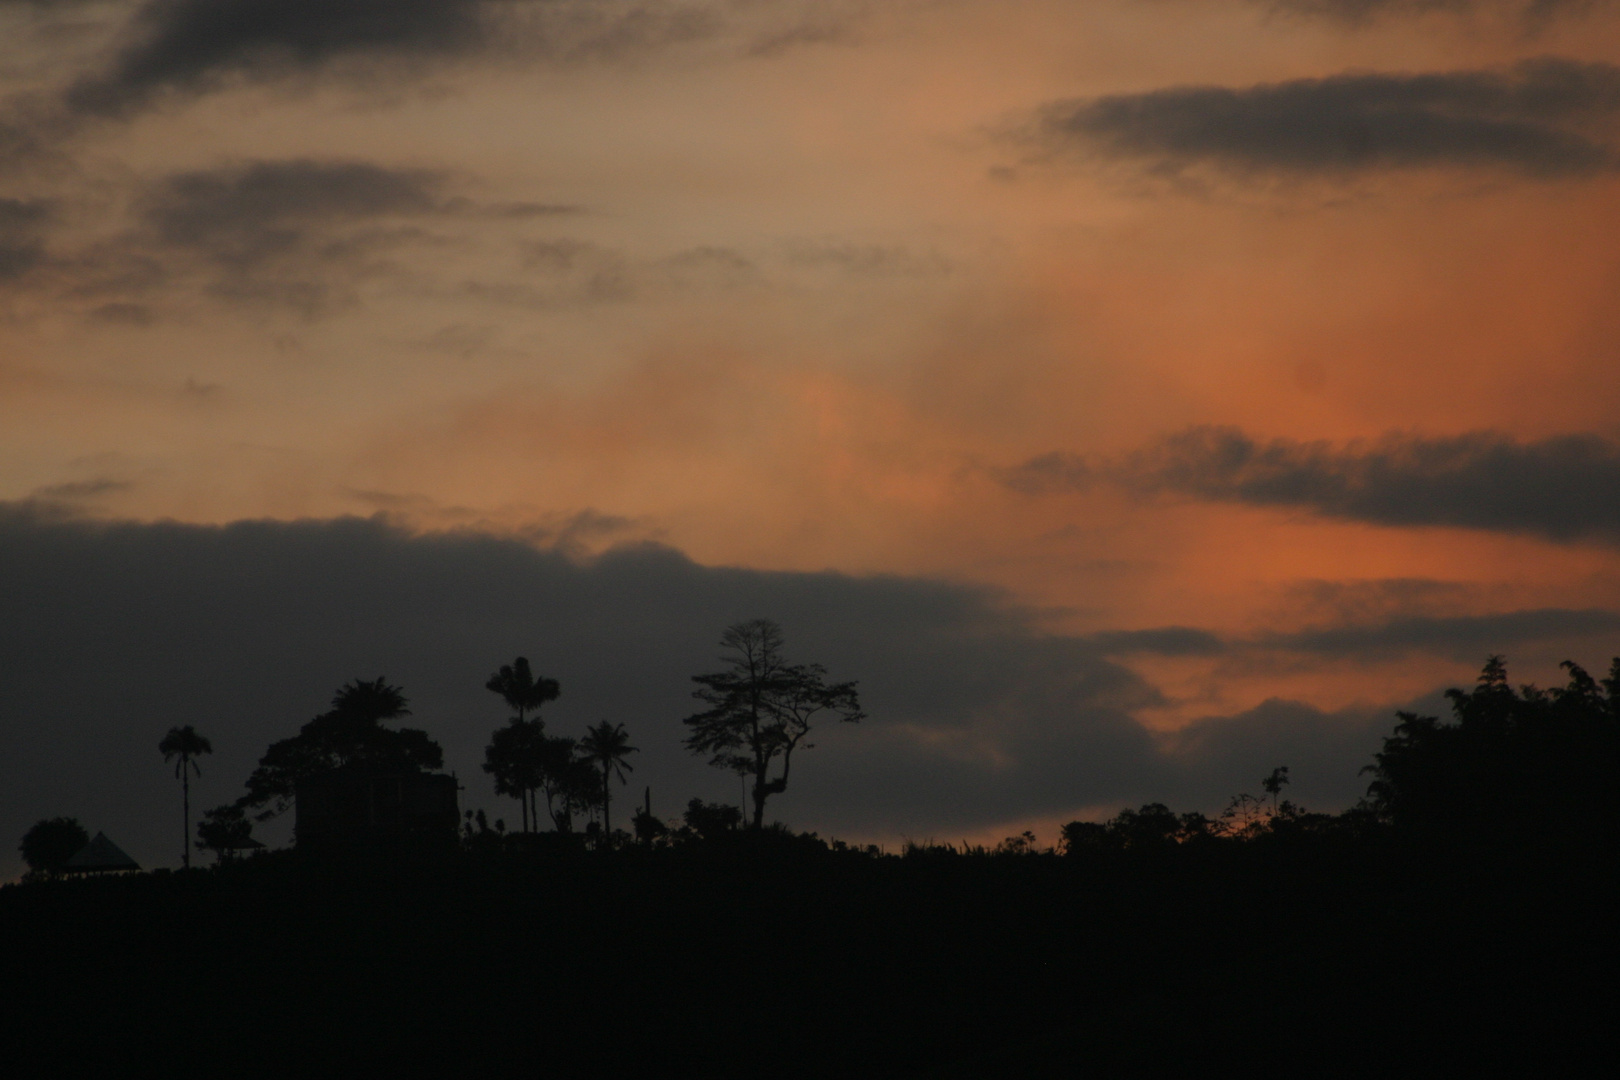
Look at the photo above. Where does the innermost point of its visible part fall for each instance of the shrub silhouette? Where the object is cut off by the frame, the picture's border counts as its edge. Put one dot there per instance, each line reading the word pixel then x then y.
pixel 712 821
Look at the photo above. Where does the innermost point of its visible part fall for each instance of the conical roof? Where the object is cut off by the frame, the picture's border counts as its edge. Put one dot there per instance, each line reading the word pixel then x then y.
pixel 100 854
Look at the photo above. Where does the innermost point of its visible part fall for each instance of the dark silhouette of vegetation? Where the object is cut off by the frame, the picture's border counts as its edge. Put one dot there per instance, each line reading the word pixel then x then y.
pixel 49 844
pixel 1463 915
pixel 183 746
pixel 1274 784
pixel 649 830
pixel 515 753
pixel 1521 765
pixel 518 687
pixel 606 746
pixel 350 736
pixel 760 708
pixel 513 758
pixel 527 764
pixel 226 831
pixel 1154 826
pixel 711 821
pixel 568 782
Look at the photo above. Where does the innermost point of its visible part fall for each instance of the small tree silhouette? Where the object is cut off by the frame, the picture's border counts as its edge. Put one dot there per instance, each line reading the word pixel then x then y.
pixel 608 745
pixel 1274 784
pixel 183 746
pixel 225 830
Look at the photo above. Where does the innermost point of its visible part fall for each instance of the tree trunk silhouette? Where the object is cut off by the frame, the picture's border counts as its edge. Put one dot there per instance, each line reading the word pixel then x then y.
pixel 185 815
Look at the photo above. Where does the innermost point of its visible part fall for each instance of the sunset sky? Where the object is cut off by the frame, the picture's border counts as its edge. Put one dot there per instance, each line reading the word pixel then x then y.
pixel 1134 395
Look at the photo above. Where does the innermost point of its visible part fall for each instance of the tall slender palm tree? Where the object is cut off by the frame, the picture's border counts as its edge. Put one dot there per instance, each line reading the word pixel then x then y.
pixel 183 746
pixel 608 745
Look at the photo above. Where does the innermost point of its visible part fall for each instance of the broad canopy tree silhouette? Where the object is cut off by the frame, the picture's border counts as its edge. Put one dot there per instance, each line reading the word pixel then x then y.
pixel 761 707
pixel 350 736
pixel 528 764
pixel 49 844
pixel 568 781
pixel 512 758
pixel 183 746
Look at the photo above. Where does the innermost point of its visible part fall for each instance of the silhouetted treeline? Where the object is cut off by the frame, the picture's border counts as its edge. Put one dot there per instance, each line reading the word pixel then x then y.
pixel 1460 920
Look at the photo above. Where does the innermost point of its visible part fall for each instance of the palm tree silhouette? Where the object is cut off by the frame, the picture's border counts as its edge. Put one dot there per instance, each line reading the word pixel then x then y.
pixel 520 689
pixel 608 745
pixel 184 744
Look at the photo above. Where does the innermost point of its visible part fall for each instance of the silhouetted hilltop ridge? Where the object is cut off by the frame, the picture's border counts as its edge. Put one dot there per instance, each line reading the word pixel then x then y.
pixel 1443 922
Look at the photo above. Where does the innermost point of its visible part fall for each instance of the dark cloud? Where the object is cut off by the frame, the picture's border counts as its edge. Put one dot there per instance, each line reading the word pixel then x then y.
pixel 78 490
pixel 566 272
pixel 243 213
pixel 21 222
pixel 189 44
pixel 824 28
pixel 1564 488
pixel 1546 117
pixel 519 210
pixel 193 46
pixel 301 233
pixel 1459 637
pixel 1162 641
pixel 123 314
pixel 867 260
pixel 1055 471
pixel 307 234
pixel 1360 11
pixel 111 633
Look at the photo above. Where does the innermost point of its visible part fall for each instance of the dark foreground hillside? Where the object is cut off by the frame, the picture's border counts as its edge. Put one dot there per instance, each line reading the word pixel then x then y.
pixel 1292 957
